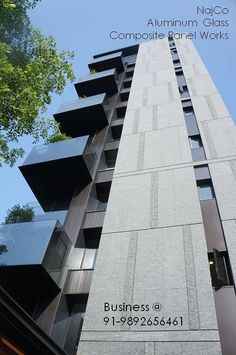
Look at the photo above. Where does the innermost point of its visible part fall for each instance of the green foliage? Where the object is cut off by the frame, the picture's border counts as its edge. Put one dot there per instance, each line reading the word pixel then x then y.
pixel 19 214
pixel 3 249
pixel 31 70
pixel 93 71
pixel 57 137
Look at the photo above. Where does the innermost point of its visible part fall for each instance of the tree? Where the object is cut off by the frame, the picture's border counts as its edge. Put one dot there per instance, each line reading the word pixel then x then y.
pixel 3 249
pixel 57 137
pixel 19 214
pixel 31 70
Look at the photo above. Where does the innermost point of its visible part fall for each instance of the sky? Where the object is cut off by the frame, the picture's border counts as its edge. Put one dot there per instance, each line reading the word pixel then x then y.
pixel 84 27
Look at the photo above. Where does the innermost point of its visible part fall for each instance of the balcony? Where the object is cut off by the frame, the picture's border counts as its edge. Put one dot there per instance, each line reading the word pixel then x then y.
pixel 83 116
pixel 94 220
pixel 111 145
pixel 116 128
pixel 104 176
pixel 127 83
pixel 98 83
pixel 121 109
pixel 32 259
pixel 21 331
pixel 124 94
pixel 110 61
pixel 55 170
pixel 103 183
pixel 78 282
pixel 129 72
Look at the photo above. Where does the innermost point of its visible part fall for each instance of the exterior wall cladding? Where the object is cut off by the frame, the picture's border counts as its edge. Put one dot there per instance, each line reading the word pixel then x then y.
pixel 168 233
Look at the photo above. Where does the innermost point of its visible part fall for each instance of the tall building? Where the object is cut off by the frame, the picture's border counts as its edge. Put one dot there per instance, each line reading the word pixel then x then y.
pixel 136 250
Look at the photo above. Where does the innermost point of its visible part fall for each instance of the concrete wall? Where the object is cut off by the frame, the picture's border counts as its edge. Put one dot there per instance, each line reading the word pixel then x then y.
pixel 153 246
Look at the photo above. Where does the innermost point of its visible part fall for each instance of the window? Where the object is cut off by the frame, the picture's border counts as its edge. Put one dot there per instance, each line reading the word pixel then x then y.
pixel 202 172
pixel 180 78
pixel 129 74
pixel 187 104
pixel 173 51
pixel 60 248
pixel 188 110
pixel 183 90
pixel 195 142
pixel 127 84
pixel 131 65
pixel 220 269
pixel 110 156
pixel 124 96
pixel 179 71
pixel 89 258
pixel 206 191
pixel 191 122
pixel 176 61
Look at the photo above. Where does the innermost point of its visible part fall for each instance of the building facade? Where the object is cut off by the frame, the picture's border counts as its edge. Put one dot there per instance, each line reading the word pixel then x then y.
pixel 136 251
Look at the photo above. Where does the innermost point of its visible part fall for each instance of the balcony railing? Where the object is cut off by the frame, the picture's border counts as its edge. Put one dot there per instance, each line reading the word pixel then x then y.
pixel 55 170
pixel 108 62
pixel 83 116
pixel 121 108
pixel 104 176
pixel 78 281
pixel 97 83
pixel 116 128
pixel 32 258
pixel 94 219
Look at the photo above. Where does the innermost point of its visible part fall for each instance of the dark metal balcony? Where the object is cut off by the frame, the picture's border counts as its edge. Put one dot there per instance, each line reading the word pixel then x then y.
pixel 111 145
pixel 103 183
pixel 32 258
pixel 83 116
pixel 110 153
pixel 124 94
pixel 104 176
pixel 121 109
pixel 55 170
pixel 94 220
pixel 116 128
pixel 21 331
pixel 98 83
pixel 108 62
pixel 78 282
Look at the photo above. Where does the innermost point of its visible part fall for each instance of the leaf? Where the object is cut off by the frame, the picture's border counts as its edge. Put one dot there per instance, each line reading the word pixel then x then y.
pixel 31 70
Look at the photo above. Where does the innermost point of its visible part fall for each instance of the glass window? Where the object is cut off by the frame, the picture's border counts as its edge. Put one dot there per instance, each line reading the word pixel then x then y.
pixel 195 142
pixel 206 192
pixel 131 65
pixel 188 112
pixel 176 61
pixel 61 248
pixel 89 258
pixel 220 269
pixel 183 90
